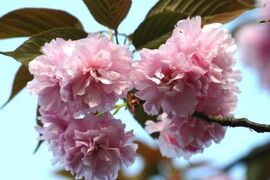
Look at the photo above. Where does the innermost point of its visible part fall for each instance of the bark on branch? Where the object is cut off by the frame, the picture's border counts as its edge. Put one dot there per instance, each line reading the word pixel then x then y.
pixel 233 122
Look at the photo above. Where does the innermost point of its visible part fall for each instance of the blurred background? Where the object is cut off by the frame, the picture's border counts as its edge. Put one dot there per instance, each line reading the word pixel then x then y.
pixel 242 154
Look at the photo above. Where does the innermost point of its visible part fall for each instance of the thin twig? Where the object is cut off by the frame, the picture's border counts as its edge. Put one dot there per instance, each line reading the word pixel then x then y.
pixel 110 33
pixel 233 122
pixel 116 36
pixel 121 34
pixel 118 107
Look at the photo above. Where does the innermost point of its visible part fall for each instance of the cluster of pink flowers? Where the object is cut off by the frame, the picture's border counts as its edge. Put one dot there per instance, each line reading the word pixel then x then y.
pixel 254 41
pixel 75 80
pixel 89 74
pixel 193 71
pixel 93 147
pixel 265 9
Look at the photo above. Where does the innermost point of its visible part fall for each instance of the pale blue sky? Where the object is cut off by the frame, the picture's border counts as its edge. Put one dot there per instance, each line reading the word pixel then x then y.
pixel 18 117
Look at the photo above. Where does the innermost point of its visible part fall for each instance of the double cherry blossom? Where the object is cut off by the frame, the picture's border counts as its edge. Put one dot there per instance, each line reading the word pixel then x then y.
pixel 192 71
pixel 93 147
pixel 255 47
pixel 89 74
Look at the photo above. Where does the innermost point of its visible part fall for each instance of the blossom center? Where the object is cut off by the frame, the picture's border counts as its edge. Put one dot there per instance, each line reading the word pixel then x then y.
pixel 169 82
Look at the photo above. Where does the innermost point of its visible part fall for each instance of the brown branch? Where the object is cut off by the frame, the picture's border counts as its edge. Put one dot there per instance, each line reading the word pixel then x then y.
pixel 233 122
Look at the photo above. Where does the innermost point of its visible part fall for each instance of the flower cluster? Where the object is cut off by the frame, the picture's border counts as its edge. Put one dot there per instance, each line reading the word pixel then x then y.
pixel 94 147
pixel 254 41
pixel 265 10
pixel 89 74
pixel 193 71
pixel 76 81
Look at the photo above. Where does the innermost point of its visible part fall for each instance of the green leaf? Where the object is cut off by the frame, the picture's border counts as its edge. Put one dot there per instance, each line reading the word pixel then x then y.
pixel 21 79
pixel 153 31
pixel 153 44
pixel 202 8
pixel 30 21
pixel 109 13
pixel 31 47
pixel 141 116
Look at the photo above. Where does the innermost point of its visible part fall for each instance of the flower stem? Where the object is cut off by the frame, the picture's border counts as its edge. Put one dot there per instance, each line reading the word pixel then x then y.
pixel 116 36
pixel 118 107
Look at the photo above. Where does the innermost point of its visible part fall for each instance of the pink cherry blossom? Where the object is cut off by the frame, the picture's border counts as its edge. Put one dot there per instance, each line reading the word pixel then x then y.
pixel 183 137
pixel 193 63
pixel 48 70
pixel 265 9
pixel 255 46
pixel 87 75
pixel 93 147
pixel 254 41
pixel 163 82
pixel 193 71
